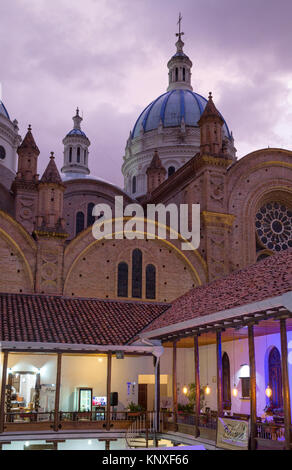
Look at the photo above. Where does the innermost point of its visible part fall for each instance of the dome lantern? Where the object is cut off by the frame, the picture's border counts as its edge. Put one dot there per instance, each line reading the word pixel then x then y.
pixel 76 146
pixel 179 66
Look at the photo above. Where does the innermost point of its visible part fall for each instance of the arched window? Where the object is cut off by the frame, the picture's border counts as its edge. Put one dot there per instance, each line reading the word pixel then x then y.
pixel 84 157
pixel 176 74
pixel 90 217
pixel 150 281
pixel 2 152
pixel 122 280
pixel 134 184
pixel 170 171
pixel 79 222
pixel 226 382
pixel 275 378
pixel 137 273
pixel 70 155
pixel 184 74
pixel 78 154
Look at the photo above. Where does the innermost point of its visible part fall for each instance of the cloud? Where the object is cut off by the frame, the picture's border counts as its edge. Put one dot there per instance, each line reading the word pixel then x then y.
pixel 109 57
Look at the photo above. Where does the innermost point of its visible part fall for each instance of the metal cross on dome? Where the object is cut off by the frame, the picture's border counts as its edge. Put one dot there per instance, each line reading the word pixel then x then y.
pixel 179 34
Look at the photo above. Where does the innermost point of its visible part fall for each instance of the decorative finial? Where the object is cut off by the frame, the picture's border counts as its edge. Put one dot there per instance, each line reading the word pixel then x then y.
pixel 77 111
pixel 29 127
pixel 52 155
pixel 180 33
pixel 210 95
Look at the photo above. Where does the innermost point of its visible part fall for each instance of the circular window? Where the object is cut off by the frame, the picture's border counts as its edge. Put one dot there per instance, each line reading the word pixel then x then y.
pixel 274 226
pixel 2 153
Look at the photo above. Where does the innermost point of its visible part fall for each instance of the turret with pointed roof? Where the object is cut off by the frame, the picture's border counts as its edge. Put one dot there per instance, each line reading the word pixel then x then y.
pixel 28 153
pixel 155 173
pixel 211 123
pixel 50 200
pixel 25 183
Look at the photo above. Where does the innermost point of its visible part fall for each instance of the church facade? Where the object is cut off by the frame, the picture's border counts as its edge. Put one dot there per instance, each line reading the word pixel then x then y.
pixel 67 298
pixel 179 152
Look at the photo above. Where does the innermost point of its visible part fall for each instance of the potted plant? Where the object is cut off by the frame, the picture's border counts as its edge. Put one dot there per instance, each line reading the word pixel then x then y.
pixel 192 396
pixel 134 409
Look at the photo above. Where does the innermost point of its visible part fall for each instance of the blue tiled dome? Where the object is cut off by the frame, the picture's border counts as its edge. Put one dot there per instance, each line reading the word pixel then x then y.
pixel 3 110
pixel 77 132
pixel 170 108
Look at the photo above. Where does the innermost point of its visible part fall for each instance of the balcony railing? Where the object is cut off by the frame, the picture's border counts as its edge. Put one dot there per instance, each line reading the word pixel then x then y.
pixel 273 433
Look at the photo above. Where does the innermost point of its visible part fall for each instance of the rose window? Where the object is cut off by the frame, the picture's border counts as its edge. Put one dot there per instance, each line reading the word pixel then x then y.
pixel 274 226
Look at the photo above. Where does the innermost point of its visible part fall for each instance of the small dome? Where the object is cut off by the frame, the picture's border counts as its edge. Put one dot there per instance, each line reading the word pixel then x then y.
pixel 170 108
pixel 3 110
pixel 77 132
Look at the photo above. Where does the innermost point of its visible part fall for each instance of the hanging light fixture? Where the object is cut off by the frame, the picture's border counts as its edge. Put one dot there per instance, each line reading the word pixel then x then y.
pixel 207 388
pixel 185 390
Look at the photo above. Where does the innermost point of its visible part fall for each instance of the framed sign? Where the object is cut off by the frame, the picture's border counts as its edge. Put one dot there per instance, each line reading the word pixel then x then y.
pixel 232 434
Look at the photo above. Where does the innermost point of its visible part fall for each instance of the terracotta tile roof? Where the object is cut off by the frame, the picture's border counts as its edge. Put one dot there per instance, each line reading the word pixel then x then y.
pixel 56 319
pixel 267 278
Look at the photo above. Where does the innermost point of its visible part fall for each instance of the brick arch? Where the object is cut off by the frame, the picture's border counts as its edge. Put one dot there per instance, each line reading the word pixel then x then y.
pixel 268 191
pixel 258 178
pixel 181 271
pixel 18 254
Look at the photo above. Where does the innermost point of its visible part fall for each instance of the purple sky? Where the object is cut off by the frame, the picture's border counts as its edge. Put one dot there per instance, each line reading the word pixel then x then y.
pixel 109 58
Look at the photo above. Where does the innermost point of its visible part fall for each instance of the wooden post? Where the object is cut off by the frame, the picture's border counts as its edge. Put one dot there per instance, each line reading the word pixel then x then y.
pixel 253 395
pixel 57 396
pixel 108 391
pixel 174 383
pixel 285 384
pixel 197 386
pixel 157 392
pixel 3 390
pixel 219 374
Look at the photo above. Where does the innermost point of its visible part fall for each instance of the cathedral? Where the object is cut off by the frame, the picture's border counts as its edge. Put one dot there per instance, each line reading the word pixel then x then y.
pixel 66 294
pixel 180 151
